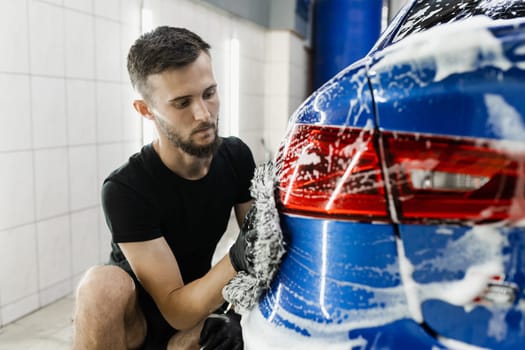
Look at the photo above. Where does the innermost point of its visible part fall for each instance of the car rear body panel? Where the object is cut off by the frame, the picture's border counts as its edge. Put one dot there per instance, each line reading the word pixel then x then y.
pixel 464 79
pixel 471 89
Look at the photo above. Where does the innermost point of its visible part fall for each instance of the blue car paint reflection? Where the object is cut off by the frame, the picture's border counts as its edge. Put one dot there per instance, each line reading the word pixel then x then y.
pixel 332 267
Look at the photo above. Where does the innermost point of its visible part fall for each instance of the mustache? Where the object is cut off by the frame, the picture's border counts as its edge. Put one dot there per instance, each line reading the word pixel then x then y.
pixel 203 126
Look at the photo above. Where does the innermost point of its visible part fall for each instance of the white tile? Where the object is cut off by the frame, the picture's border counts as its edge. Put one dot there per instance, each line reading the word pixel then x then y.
pixel 277 79
pixel 79 45
pixel 180 14
pixel 129 33
pixel 82 5
pixel 107 50
pixel 55 292
pixel 252 41
pixel 54 2
pixel 85 245
pixel 109 112
pixel 18 264
pixel 21 307
pixel 278 46
pixel 131 119
pixel 298 82
pixel 83 177
pixel 81 112
pixel 298 52
pixel 130 12
pixel 110 157
pixel 252 76
pixel 16 187
pixel 14 35
pixel 49 112
pixel 108 8
pixel 216 27
pixel 54 251
pixel 51 178
pixel 276 112
pixel 46 29
pixel 200 23
pixel 15 132
pixel 251 112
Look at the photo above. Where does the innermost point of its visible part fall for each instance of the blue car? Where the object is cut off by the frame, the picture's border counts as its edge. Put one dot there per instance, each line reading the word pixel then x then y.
pixel 402 192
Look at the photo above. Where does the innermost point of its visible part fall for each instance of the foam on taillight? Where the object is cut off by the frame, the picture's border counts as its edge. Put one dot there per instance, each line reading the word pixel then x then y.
pixel 452 179
pixel 339 172
pixel 331 171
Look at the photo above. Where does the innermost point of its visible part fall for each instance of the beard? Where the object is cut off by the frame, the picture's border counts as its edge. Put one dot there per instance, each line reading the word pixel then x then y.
pixel 187 145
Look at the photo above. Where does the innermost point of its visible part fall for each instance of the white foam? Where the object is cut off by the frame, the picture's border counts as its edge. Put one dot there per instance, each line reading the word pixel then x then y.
pixel 504 120
pixel 440 45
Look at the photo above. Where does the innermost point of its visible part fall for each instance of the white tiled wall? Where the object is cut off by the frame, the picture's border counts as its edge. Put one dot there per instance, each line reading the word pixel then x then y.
pixel 286 84
pixel 65 124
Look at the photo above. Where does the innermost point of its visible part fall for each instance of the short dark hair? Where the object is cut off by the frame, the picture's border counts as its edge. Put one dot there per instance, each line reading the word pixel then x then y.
pixel 162 49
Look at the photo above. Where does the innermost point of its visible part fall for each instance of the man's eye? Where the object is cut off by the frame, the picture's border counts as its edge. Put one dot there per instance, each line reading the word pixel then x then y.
pixel 209 93
pixel 182 104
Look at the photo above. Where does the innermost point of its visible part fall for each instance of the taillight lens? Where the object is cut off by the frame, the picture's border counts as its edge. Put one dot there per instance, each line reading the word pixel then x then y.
pixel 454 179
pixel 331 171
pixel 337 172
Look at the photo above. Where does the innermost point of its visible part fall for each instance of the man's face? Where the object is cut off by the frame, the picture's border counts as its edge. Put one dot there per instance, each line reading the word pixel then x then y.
pixel 185 105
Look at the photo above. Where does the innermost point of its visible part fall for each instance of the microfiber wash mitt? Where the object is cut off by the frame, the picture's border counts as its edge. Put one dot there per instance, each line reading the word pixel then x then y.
pixel 266 251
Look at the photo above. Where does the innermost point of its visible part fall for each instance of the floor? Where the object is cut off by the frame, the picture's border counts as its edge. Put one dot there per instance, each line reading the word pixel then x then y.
pixel 49 328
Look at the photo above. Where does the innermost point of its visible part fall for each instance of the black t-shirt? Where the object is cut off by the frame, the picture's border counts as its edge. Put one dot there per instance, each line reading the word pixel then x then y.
pixel 144 200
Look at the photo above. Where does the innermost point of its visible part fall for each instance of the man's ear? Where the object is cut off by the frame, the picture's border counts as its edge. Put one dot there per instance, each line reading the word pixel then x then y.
pixel 143 109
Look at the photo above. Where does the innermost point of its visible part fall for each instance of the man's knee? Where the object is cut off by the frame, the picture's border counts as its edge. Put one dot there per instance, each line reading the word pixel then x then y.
pixel 106 287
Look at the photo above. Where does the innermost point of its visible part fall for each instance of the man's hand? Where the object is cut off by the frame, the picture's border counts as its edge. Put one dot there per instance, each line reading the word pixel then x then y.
pixel 222 332
pixel 241 252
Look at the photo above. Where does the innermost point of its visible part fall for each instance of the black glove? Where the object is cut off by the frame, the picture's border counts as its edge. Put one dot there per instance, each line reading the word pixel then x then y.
pixel 241 252
pixel 222 332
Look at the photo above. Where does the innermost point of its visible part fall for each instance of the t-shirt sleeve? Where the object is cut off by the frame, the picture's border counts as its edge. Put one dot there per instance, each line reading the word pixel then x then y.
pixel 130 217
pixel 246 169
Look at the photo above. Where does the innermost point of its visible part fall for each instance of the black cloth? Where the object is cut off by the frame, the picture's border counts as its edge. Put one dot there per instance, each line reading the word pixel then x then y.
pixel 144 200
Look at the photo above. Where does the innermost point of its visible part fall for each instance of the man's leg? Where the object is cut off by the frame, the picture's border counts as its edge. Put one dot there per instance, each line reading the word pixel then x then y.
pixel 186 340
pixel 107 315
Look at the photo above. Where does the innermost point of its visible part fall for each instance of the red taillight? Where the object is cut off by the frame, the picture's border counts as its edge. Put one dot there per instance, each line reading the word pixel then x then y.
pixel 439 178
pixel 337 171
pixel 331 171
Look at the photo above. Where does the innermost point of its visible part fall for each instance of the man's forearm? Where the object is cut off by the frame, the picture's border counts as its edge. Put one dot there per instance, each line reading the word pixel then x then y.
pixel 185 307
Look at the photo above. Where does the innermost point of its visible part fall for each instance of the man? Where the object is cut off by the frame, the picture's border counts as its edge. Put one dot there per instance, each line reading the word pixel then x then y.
pixel 167 207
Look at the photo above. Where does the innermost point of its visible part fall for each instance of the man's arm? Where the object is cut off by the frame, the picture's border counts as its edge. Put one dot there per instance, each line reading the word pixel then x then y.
pixel 183 306
pixel 240 211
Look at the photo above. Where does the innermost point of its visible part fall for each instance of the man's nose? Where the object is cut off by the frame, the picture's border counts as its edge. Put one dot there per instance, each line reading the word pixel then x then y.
pixel 201 111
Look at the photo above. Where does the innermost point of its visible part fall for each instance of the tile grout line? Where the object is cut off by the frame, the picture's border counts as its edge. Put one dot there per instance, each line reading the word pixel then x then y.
pixel 68 151
pixel 97 144
pixel 47 218
pixel 33 152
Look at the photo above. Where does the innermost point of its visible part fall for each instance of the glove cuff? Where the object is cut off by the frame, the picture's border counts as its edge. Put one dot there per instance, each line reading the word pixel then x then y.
pixel 236 260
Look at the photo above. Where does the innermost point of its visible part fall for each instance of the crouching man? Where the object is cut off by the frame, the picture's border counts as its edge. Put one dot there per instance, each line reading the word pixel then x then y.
pixel 167 208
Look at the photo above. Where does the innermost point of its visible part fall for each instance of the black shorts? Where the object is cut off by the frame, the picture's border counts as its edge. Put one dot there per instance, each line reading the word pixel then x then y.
pixel 159 331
